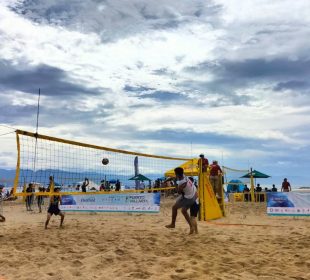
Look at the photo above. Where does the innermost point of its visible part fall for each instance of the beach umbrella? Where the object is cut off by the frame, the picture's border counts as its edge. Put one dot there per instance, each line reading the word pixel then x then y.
pixel 139 177
pixel 255 174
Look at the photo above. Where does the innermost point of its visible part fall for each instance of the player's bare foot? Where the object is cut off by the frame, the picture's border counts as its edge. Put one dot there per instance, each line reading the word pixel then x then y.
pixel 170 226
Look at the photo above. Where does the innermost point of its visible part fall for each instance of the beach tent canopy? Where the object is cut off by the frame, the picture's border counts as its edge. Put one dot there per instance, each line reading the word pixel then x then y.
pixel 255 174
pixel 235 186
pixel 190 168
pixel 139 177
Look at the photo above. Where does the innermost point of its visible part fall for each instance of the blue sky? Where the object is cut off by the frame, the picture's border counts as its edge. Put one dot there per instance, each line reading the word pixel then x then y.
pixel 229 79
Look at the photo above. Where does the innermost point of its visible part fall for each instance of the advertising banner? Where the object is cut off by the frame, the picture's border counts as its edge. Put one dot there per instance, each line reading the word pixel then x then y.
pixel 288 204
pixel 130 202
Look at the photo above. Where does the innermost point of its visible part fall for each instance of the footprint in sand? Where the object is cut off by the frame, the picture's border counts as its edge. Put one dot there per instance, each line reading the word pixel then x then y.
pixel 77 263
pixel 140 274
pixel 119 252
pixel 177 277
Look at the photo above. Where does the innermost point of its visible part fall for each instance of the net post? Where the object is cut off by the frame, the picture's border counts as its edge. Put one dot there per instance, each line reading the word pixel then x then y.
pixel 17 165
pixel 201 192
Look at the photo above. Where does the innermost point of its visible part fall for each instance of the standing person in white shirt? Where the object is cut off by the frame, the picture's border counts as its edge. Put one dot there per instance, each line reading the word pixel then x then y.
pixel 187 198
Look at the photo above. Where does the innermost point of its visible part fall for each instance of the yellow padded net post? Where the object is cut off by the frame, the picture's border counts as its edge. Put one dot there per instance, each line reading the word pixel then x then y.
pixel 209 205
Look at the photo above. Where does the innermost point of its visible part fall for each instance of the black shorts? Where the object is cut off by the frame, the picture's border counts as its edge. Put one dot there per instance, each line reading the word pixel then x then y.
pixel 53 210
pixel 194 210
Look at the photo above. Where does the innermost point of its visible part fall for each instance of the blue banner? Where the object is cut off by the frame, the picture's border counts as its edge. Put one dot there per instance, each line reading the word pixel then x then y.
pixel 130 202
pixel 288 203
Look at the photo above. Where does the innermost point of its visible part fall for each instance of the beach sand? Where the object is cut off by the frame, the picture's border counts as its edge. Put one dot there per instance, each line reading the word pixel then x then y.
pixel 138 246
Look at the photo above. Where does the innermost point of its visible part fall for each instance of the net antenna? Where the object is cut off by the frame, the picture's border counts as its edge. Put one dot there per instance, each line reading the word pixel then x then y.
pixel 36 134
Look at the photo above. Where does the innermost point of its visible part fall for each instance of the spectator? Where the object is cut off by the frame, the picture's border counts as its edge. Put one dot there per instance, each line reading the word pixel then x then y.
pixel 215 172
pixel 274 189
pixel 40 199
pixel 102 187
pixel 85 184
pixel 286 186
pixel 246 191
pixel 117 186
pixel 258 188
pixel 29 193
pixel 203 162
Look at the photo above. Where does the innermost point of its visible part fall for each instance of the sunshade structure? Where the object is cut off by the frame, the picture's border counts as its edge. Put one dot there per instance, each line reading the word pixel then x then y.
pixel 139 177
pixel 190 168
pixel 255 174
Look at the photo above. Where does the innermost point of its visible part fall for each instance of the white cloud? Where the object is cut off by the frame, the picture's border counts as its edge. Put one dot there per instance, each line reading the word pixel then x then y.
pixel 126 48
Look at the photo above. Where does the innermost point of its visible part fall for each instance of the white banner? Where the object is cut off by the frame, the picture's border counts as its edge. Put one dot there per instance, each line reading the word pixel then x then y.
pixel 131 202
pixel 288 203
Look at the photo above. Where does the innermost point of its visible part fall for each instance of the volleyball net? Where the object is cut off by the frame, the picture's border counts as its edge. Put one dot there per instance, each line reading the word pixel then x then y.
pixel 41 158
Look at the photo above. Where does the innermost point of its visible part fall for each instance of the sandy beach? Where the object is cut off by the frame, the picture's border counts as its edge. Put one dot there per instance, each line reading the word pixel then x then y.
pixel 247 244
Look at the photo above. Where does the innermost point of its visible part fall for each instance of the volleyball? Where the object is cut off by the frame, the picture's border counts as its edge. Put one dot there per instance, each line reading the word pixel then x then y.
pixel 105 161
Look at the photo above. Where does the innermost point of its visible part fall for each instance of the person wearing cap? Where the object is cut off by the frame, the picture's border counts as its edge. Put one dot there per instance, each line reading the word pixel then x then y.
pixel 53 208
pixel 203 162
pixel 286 186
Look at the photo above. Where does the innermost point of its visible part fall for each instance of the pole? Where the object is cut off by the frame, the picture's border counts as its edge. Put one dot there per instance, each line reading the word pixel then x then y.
pixel 252 186
pixel 37 128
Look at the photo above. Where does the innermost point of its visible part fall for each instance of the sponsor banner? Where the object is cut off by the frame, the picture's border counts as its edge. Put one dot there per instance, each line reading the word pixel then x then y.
pixel 288 204
pixel 133 202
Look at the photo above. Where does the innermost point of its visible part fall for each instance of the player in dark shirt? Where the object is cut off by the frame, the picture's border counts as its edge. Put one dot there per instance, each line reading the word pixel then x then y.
pixel 53 208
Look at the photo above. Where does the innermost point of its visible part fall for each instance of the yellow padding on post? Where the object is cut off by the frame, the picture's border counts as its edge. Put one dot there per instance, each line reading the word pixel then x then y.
pixel 212 209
